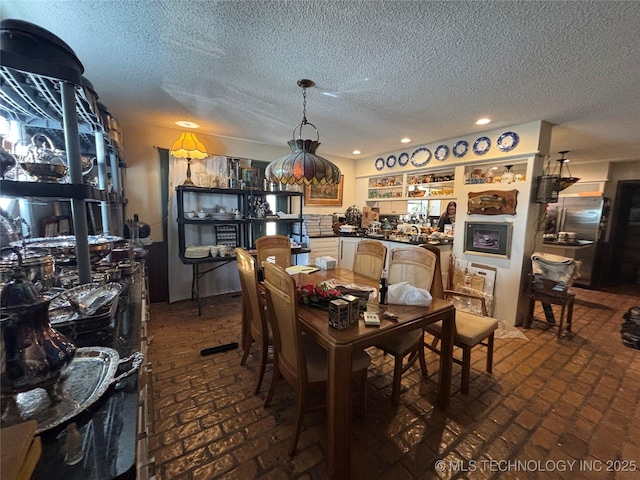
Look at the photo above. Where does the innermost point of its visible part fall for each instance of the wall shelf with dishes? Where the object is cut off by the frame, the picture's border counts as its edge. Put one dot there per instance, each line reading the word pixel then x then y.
pixel 434 186
pixel 203 211
pixel 390 187
pixel 495 173
pixel 409 186
pixel 220 219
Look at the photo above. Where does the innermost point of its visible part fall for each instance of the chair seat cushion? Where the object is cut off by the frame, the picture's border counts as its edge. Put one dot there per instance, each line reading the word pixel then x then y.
pixel 403 343
pixel 317 360
pixel 470 329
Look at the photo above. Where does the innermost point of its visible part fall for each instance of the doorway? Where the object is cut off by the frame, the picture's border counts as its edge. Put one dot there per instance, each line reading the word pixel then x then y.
pixel 625 237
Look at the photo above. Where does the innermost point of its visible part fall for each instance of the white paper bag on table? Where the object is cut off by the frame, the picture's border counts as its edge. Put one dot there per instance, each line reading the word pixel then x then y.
pixel 404 293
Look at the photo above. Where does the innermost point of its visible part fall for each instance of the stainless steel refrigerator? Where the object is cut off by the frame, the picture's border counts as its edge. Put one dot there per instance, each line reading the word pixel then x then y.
pixel 586 216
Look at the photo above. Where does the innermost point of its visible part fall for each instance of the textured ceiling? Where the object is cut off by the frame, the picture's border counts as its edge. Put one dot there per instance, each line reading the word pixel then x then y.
pixel 383 69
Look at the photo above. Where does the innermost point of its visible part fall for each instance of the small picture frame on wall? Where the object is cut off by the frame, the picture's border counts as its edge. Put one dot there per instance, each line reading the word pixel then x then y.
pixel 324 195
pixel 487 238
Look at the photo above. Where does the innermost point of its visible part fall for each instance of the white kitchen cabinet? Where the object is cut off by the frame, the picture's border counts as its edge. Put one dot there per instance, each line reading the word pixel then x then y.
pixel 393 207
pixel 348 251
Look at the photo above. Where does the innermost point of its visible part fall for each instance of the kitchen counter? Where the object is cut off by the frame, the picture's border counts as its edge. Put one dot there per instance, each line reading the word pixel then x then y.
pixel 109 427
pixel 563 245
pixel 444 241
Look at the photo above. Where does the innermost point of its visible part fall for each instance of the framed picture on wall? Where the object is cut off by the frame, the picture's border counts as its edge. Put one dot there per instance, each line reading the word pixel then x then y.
pixel 487 238
pixel 324 195
pixel 251 178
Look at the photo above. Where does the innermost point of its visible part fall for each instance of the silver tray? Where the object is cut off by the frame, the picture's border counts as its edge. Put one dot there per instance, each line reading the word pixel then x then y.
pixel 88 298
pixel 83 382
pixel 64 247
pixel 65 316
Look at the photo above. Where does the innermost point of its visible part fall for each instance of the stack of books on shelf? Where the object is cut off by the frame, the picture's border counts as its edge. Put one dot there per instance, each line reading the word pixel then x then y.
pixel 314 226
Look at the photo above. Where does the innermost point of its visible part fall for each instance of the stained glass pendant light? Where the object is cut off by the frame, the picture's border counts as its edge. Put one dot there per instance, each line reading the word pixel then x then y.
pixel 302 165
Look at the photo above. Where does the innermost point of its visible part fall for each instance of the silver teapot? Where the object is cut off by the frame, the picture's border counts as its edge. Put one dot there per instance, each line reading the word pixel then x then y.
pixel 48 164
pixel 33 353
pixel 43 160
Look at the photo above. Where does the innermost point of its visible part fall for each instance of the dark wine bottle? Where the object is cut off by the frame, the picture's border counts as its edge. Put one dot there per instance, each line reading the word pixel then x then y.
pixel 382 300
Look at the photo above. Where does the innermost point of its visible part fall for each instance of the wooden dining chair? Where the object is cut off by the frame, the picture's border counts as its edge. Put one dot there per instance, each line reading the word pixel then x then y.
pixel 298 358
pixel 550 283
pixel 473 326
pixel 416 266
pixel 255 327
pixel 370 258
pixel 276 246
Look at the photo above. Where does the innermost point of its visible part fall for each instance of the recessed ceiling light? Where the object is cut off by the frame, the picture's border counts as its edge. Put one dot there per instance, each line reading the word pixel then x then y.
pixel 483 121
pixel 405 140
pixel 356 152
pixel 185 124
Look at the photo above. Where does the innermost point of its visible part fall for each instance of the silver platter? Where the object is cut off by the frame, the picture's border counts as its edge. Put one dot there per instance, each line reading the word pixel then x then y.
pixel 81 384
pixel 66 317
pixel 64 247
pixel 87 299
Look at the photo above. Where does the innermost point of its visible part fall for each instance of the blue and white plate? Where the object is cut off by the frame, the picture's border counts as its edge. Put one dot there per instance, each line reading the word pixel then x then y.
pixel 379 163
pixel 461 148
pixel 403 159
pixel 481 146
pixel 420 157
pixel 508 141
pixel 441 152
pixel 391 161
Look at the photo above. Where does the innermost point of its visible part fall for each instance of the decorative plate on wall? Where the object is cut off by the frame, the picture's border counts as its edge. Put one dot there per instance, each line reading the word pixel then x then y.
pixel 508 141
pixel 379 163
pixel 391 161
pixel 481 146
pixel 461 148
pixel 441 153
pixel 403 159
pixel 420 157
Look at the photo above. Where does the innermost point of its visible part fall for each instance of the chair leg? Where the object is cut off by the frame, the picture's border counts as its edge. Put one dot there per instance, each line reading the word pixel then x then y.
pixel 272 387
pixel 423 361
pixel 466 369
pixel 490 352
pixel 529 319
pixel 561 323
pixel 300 403
pixel 569 314
pixel 246 346
pixel 263 366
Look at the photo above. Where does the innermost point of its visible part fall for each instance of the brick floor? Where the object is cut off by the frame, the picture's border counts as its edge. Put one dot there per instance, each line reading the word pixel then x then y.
pixel 548 402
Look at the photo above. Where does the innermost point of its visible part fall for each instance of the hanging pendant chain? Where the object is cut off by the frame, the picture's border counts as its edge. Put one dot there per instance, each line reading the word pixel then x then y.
pixel 304 106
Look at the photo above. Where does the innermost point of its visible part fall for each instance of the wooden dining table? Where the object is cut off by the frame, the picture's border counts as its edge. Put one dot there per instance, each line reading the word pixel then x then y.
pixel 340 344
